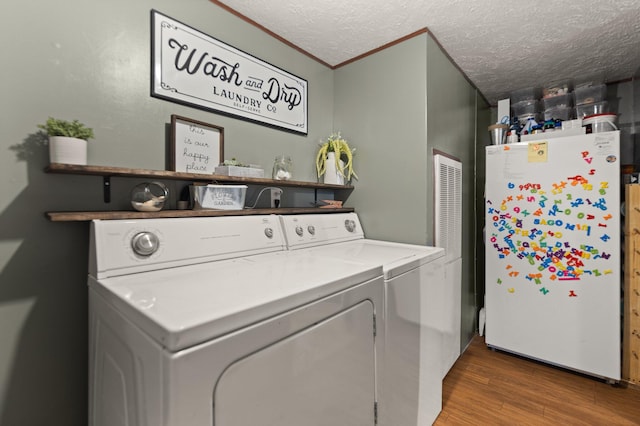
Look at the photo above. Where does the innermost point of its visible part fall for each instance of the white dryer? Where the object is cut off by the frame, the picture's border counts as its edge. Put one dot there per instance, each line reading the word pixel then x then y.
pixel 202 321
pixel 415 309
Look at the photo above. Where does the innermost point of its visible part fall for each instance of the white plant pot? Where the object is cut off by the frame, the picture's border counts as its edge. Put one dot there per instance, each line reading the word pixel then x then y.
pixel 332 175
pixel 67 150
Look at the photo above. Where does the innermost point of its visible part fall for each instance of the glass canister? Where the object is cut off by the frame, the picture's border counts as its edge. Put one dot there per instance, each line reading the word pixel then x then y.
pixel 282 168
pixel 149 196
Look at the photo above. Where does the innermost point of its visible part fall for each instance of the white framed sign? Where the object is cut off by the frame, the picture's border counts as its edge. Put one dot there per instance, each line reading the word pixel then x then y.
pixel 196 147
pixel 195 69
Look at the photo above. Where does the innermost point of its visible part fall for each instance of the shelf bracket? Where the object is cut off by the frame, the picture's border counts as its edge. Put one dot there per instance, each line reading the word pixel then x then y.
pixel 106 188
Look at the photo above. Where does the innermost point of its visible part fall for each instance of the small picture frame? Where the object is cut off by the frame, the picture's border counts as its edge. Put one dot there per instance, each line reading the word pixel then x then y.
pixel 196 146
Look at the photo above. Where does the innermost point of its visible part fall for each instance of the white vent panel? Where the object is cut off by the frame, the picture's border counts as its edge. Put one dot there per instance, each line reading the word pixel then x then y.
pixel 448 205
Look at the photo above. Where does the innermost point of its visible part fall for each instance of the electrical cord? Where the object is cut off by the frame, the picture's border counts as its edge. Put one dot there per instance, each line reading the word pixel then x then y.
pixel 277 202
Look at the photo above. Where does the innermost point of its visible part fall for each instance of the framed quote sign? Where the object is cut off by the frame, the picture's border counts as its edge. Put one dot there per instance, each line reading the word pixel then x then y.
pixel 195 69
pixel 196 147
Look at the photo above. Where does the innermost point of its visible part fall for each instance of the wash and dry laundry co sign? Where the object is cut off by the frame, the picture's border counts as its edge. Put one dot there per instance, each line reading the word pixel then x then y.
pixel 193 68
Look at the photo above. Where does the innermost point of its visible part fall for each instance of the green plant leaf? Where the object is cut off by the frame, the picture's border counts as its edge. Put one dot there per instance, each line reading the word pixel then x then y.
pixel 71 129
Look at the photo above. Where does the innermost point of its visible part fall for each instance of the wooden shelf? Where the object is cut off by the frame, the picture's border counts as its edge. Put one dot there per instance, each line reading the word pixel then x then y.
pixel 107 215
pixel 108 172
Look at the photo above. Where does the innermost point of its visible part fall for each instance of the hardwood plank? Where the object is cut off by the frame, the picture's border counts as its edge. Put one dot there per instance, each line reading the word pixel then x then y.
pixel 488 387
pixel 611 399
pixel 631 317
pixel 520 408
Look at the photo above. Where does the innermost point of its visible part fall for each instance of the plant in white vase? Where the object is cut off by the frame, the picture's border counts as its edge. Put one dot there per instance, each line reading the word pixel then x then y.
pixel 67 140
pixel 334 160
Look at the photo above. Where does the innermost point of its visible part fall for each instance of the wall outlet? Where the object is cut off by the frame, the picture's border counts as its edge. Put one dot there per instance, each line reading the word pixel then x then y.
pixel 275 197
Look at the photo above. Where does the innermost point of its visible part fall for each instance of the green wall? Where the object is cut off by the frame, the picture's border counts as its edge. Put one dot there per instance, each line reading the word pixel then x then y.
pixel 453 106
pixel 396 107
pixel 380 106
pixel 90 60
pixel 484 138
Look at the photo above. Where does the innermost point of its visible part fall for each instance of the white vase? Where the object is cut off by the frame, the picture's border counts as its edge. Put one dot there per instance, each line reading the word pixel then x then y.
pixel 332 175
pixel 67 150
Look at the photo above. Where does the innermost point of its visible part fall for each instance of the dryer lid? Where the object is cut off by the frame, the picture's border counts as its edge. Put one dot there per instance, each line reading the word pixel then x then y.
pixel 184 306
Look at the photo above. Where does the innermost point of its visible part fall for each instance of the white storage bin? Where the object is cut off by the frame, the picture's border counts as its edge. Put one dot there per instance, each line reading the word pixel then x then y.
pixel 525 108
pixel 252 172
pixel 218 197
pixel 523 119
pixel 556 88
pixel 560 101
pixel 526 94
pixel 591 109
pixel 590 94
pixel 598 123
pixel 558 113
pixel 572 124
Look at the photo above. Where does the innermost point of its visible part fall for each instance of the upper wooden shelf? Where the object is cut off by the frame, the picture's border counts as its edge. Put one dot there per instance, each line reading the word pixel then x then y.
pixel 106 171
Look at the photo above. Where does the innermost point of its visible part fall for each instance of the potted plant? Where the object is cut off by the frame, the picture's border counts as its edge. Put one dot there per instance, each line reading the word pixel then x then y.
pixel 334 160
pixel 67 140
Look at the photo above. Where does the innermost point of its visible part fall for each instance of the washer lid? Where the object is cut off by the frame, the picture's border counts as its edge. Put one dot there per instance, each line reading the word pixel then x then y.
pixel 183 306
pixel 395 258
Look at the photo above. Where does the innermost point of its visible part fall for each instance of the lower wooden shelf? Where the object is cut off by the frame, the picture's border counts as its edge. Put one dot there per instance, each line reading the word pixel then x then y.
pixel 110 215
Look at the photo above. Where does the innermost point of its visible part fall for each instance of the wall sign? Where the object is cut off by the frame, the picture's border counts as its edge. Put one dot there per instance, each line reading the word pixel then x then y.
pixel 192 68
pixel 196 147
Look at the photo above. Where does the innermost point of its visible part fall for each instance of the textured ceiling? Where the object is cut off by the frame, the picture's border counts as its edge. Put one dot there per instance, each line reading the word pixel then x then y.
pixel 500 45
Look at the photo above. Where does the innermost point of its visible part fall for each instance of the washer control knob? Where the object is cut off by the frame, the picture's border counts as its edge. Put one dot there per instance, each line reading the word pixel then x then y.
pixel 350 225
pixel 268 232
pixel 311 229
pixel 145 243
pixel 299 230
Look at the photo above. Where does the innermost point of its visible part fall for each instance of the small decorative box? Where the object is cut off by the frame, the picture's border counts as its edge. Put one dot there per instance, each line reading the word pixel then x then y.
pixel 218 197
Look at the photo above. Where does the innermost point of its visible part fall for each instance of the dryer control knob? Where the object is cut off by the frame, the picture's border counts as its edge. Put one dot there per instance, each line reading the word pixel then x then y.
pixel 299 230
pixel 145 243
pixel 311 229
pixel 350 225
pixel 268 232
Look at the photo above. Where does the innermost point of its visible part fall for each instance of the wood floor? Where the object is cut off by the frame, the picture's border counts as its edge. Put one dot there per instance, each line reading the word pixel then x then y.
pixel 494 388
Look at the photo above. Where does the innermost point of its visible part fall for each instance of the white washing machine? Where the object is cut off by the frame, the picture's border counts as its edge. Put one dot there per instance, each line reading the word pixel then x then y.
pixel 209 321
pixel 415 309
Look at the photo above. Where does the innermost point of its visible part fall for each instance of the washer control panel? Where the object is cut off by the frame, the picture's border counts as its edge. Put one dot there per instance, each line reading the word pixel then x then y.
pixel 317 229
pixel 127 246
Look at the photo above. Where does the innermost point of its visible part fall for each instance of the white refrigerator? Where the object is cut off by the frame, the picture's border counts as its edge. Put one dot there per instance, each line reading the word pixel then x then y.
pixel 552 246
